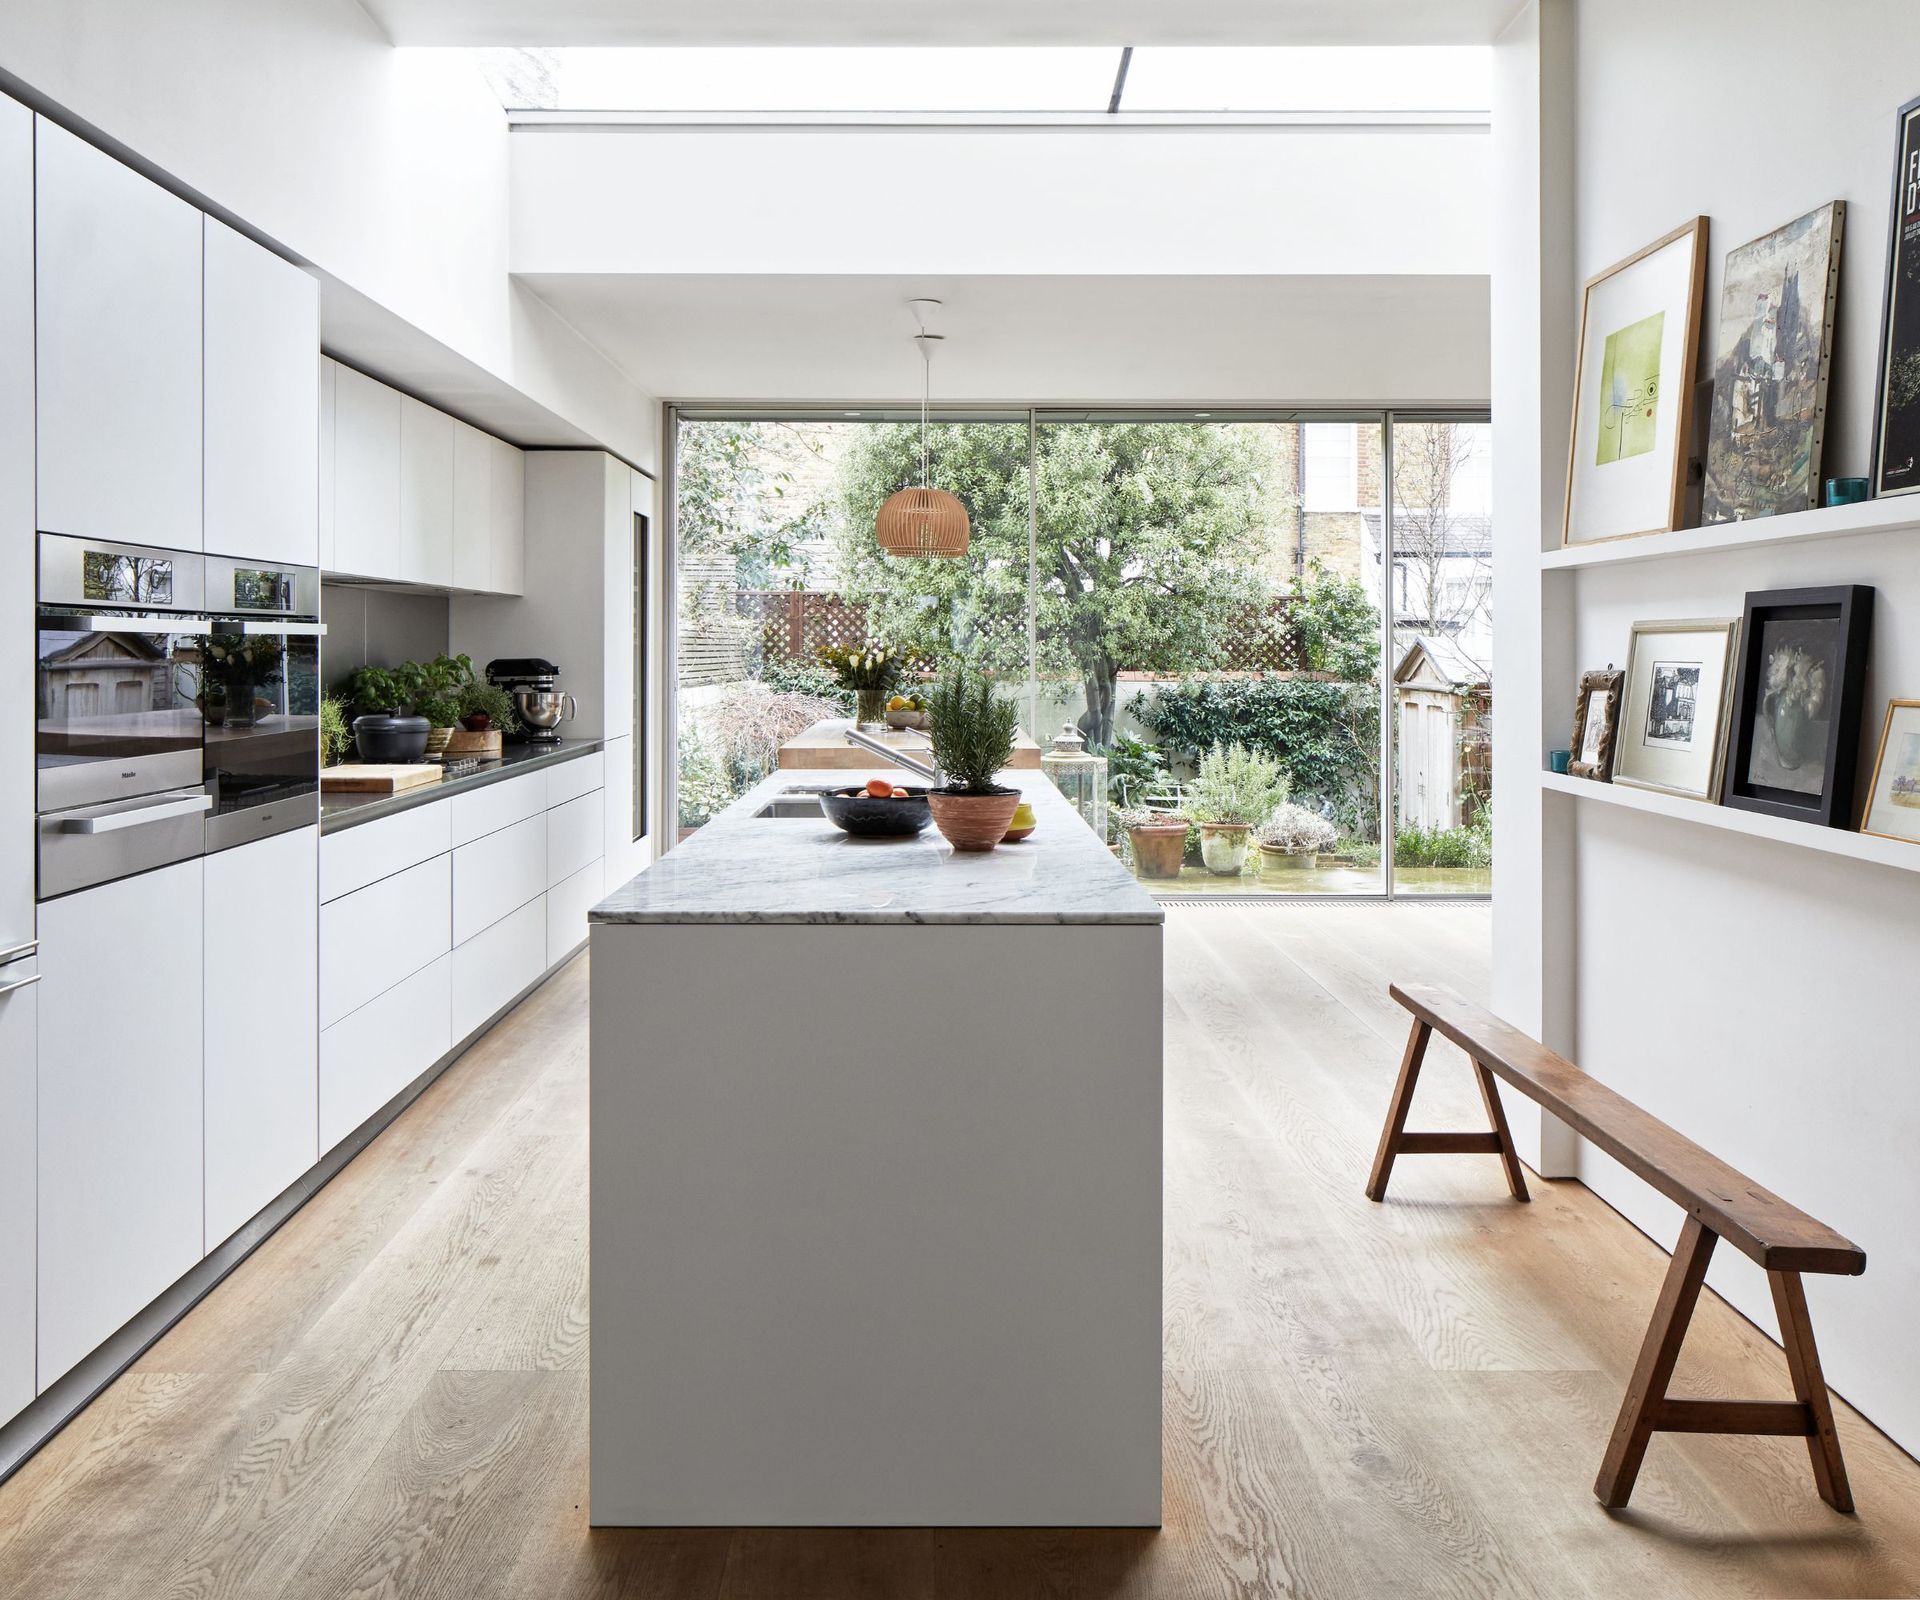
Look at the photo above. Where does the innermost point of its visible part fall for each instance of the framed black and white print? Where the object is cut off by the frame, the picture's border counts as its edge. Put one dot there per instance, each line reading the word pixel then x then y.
pixel 1672 727
pixel 1797 701
pixel 1896 414
pixel 1596 714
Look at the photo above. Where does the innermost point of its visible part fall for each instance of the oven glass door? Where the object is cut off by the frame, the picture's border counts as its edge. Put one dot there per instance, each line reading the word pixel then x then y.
pixel 263 729
pixel 117 707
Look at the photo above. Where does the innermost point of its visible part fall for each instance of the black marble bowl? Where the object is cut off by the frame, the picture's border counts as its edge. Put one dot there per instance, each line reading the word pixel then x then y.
pixel 867 816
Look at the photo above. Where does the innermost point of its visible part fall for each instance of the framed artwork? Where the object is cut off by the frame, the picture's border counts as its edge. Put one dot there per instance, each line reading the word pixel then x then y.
pixel 1769 413
pixel 1896 413
pixel 1893 798
pixel 1596 714
pixel 1633 391
pixel 1797 701
pixel 1673 708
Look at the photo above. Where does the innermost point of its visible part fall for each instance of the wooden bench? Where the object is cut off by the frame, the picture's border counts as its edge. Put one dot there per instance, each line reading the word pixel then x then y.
pixel 1720 1204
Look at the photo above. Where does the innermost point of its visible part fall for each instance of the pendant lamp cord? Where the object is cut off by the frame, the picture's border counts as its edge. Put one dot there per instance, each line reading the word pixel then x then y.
pixel 926 395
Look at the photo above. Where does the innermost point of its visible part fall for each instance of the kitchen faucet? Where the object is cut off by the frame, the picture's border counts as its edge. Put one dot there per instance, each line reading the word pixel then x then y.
pixel 933 776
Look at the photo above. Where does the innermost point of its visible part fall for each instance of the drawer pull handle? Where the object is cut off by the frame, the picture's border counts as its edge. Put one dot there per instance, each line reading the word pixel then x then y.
pixel 18 983
pixel 19 951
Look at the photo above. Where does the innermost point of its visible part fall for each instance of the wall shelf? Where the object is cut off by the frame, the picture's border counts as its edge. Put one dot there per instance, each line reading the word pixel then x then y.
pixel 1898 515
pixel 1895 853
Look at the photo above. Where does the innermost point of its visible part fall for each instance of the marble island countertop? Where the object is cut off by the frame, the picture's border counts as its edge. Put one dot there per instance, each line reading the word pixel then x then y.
pixel 741 868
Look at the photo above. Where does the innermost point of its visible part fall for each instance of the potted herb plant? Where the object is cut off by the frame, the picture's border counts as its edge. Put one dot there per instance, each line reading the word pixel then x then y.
pixel 1234 789
pixel 1292 838
pixel 870 673
pixel 971 729
pixel 336 738
pixel 1158 840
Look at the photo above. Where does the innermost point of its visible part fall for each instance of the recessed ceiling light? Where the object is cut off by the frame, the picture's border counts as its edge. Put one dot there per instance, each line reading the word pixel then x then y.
pixel 849 413
pixel 1203 413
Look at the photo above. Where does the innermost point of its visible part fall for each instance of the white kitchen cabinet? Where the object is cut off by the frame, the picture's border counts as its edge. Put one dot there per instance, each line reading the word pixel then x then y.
pixel 495 876
pixel 120 1151
pixel 571 779
pixel 372 939
pixel 327 370
pixel 119 358
pixel 262 1024
pixel 507 509
pixel 568 903
pixel 426 494
pixel 19 1044
pixel 472 508
pixel 262 427
pixel 499 805
pixel 366 476
pixel 16 519
pixel 369 1057
pixel 576 835
pixel 496 964
pixel 355 857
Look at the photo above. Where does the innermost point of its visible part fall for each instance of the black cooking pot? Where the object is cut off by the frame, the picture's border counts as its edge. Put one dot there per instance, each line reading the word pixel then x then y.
pixel 384 740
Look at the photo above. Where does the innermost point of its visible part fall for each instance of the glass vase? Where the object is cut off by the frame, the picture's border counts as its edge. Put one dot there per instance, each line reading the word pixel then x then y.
pixel 869 707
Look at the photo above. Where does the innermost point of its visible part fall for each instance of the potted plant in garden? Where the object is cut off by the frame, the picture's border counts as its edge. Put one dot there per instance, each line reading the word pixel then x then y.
pixel 870 673
pixel 384 731
pixel 1234 789
pixel 1292 838
pixel 1158 840
pixel 971 729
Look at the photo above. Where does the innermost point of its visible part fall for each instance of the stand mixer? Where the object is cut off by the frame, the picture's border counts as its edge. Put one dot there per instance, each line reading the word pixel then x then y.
pixel 538 701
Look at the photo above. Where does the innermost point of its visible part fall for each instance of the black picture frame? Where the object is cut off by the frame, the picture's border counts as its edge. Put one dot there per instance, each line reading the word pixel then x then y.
pixel 1850 606
pixel 1899 318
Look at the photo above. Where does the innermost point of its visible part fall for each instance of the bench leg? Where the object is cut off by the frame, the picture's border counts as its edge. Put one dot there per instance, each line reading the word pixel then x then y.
pixel 1509 1157
pixel 1647 1388
pixel 1397 1109
pixel 1810 1389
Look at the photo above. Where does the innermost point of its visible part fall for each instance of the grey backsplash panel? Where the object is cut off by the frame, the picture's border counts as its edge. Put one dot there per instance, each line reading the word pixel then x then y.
pixel 378 627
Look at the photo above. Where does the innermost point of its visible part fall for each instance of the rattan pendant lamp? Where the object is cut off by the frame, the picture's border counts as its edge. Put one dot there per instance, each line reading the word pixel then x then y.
pixel 923 522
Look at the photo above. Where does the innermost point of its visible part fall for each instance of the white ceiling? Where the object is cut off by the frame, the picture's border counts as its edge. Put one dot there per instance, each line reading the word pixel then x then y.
pixel 907 22
pixel 1408 339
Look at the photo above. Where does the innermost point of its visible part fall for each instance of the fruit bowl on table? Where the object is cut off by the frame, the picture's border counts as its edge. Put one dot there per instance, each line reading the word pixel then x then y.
pixel 899 815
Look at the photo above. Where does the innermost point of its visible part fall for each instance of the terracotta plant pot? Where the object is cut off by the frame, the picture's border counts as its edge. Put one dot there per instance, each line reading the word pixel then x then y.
pixel 1158 847
pixel 973 821
pixel 1223 847
pixel 1276 860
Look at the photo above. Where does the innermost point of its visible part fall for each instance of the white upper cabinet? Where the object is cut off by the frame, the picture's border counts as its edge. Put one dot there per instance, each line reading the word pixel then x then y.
pixel 472 508
pixel 509 518
pixel 16 519
pixel 262 319
pixel 366 476
pixel 328 369
pixel 426 494
pixel 119 356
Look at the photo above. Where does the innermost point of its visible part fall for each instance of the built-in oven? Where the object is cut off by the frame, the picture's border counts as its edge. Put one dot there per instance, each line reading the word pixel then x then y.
pixel 117 689
pixel 260 694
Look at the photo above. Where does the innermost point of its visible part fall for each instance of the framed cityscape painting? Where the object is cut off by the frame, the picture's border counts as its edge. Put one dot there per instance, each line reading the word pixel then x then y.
pixel 1672 732
pixel 1633 391
pixel 1893 800
pixel 1770 370
pixel 1896 416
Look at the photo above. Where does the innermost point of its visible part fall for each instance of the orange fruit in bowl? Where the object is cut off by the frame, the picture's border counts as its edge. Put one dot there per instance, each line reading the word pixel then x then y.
pixel 880 788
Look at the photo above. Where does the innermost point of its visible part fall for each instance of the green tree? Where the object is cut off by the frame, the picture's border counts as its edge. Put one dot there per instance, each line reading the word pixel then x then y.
pixel 1150 545
pixel 736 499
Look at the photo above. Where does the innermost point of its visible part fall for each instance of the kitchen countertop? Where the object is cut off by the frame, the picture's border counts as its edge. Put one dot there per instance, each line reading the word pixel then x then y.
pixel 740 868
pixel 339 811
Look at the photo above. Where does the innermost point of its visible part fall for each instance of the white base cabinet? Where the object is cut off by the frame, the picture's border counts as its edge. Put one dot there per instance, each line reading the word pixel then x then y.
pixel 371 939
pixel 496 964
pixel 18 1114
pixel 120 1150
pixel 370 1056
pixel 568 903
pixel 262 1024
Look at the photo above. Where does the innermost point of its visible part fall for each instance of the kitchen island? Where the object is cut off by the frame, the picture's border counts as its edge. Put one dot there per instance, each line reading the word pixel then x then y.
pixel 876 1144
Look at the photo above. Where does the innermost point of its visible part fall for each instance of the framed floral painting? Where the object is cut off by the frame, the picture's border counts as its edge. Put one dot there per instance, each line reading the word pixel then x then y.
pixel 1893 798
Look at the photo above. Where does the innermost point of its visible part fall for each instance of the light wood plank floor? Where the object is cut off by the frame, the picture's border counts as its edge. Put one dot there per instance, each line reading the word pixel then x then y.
pixel 390 1397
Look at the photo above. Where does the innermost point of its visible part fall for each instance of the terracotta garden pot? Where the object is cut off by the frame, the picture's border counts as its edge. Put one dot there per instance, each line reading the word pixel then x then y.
pixel 1158 847
pixel 1223 847
pixel 973 821
pixel 1277 860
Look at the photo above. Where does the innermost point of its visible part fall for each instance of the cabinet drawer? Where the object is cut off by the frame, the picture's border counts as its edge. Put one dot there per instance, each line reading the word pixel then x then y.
pixel 372 1055
pixel 19 1117
pixel 567 906
pixel 497 875
pixel 376 850
pixel 371 940
pixel 497 806
pixel 576 834
pixel 571 779
pixel 495 965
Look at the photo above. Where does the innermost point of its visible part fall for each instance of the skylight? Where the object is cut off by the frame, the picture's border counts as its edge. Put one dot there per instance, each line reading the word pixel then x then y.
pixel 1157 82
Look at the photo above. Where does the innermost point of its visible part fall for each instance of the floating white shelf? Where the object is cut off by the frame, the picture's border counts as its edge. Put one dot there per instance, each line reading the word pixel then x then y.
pixel 1898 515
pixel 1896 853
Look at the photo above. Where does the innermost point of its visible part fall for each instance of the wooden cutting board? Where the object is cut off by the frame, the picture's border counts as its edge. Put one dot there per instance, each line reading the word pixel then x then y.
pixel 355 777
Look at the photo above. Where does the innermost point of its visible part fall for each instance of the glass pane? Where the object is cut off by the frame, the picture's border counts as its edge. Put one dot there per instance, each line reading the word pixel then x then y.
pixel 1443 657
pixel 1309 78
pixel 1189 601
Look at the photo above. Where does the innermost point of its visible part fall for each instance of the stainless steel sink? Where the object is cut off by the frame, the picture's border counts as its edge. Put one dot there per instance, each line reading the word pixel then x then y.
pixel 800 803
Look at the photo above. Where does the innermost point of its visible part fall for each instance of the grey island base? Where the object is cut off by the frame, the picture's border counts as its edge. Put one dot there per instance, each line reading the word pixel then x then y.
pixel 876 1146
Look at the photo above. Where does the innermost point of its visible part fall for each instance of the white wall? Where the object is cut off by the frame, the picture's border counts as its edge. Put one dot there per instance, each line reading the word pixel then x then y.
pixel 1756 997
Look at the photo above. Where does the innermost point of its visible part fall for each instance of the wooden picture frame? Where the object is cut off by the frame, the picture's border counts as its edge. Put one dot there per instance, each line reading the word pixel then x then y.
pixel 1596 717
pixel 1899 316
pixel 1650 751
pixel 1654 498
pixel 1786 634
pixel 1902 791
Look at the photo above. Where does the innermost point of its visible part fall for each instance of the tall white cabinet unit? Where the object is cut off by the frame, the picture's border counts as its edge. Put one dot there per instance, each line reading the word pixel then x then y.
pixel 366 475
pixel 120 1140
pixel 119 360
pixel 426 494
pixel 262 317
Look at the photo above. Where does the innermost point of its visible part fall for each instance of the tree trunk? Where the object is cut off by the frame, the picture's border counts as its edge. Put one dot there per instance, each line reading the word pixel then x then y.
pixel 1096 722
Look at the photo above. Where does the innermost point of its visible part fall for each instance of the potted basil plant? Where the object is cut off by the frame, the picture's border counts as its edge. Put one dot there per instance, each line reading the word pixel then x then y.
pixel 972 731
pixel 1234 789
